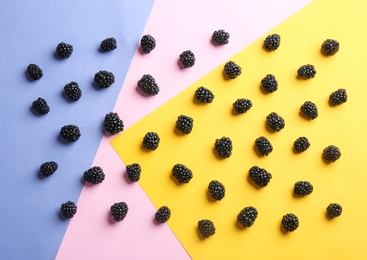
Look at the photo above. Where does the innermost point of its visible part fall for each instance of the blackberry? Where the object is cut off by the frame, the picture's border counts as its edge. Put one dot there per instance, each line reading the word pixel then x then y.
pixel 119 211
pixel 330 47
pixel 247 216
pixel 275 122
pixel 94 175
pixel 223 147
pixel 163 214
pixel 232 70
pixel 113 124
pixel 187 59
pixel 302 188
pixel 48 168
pixel 269 84
pixel 272 42
pixel 40 106
pixel 68 209
pixel 182 173
pixel 34 71
pixel 216 190
pixel 334 210
pixel 184 124
pixel 206 228
pixel 338 97
pixel 108 44
pixel 204 95
pixel 104 79
pixel 301 144
pixel 260 177
pixel 147 43
pixel 306 71
pixel 148 85
pixel 220 37
pixel 151 141
pixel 64 50
pixel 331 153
pixel 242 105
pixel 309 110
pixel 133 172
pixel 70 133
pixel 72 91
pixel 290 222
pixel 263 146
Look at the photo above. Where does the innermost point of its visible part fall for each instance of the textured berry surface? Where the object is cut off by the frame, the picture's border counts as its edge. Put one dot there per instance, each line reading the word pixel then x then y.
pixel 206 228
pixel 247 216
pixel 187 59
pixel 307 71
pixel 119 211
pixel 338 97
pixel 64 50
pixel 301 144
pixel 290 222
pixel 263 146
pixel 331 153
pixel 147 43
pixel 182 173
pixel 302 188
pixel 216 190
pixel 48 168
pixel 275 122
pixel 272 42
pixel 70 133
pixel 232 70
pixel 334 210
pixel 40 106
pixel 151 141
pixel 148 85
pixel 223 147
pixel 68 209
pixel 34 71
pixel 108 44
pixel 94 175
pixel 72 91
pixel 104 79
pixel 204 95
pixel 309 110
pixel 163 214
pixel 113 124
pixel 330 47
pixel 269 84
pixel 220 37
pixel 133 172
pixel 242 105
pixel 184 124
pixel 260 177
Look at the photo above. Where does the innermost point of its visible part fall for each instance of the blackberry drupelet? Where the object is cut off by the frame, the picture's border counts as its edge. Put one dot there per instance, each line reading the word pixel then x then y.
pixel 187 59
pixel 133 172
pixel 275 122
pixel 338 97
pixel 263 146
pixel 40 106
pixel 113 124
pixel 232 70
pixel 269 84
pixel 272 42
pixel 223 147
pixel 184 124
pixel 147 43
pixel 148 85
pixel 64 50
pixel 260 177
pixel 108 44
pixel 163 214
pixel 247 216
pixel 302 188
pixel 182 173
pixel 309 110
pixel 242 105
pixel 72 91
pixel 206 228
pixel 306 71
pixel 220 37
pixel 216 190
pixel 330 47
pixel 48 168
pixel 204 95
pixel 70 133
pixel 301 144
pixel 290 222
pixel 104 79
pixel 34 71
pixel 68 209
pixel 334 210
pixel 151 141
pixel 119 211
pixel 331 153
pixel 94 175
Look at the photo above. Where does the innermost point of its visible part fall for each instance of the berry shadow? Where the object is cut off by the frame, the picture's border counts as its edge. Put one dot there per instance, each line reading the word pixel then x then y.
pixel 175 180
pixel 62 140
pixel 225 76
pixel 210 198
pixel 95 85
pixel 257 151
pixel 239 226
pixel 34 112
pixel 26 75
pixel 200 235
pixel 61 216
pixel 180 65
pixel 282 230
pixel 257 187
pixel 110 219
pixel 300 113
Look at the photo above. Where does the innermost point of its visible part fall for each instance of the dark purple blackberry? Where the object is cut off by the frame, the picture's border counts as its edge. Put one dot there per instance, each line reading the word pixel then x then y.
pixel 275 122
pixel 260 177
pixel 206 228
pixel 232 70
pixel 334 210
pixel 64 50
pixel 133 172
pixel 184 124
pixel 72 91
pixel 108 44
pixel 119 211
pixel 40 106
pixel 331 153
pixel 94 175
pixel 204 95
pixel 263 146
pixel 338 97
pixel 330 47
pixel 151 141
pixel 242 105
pixel 113 124
pixel 302 188
pixel 147 43
pixel 34 71
pixel 223 147
pixel 70 133
pixel 220 37
pixel 104 79
pixel 269 84
pixel 163 214
pixel 309 110
pixel 148 85
pixel 290 222
pixel 301 144
pixel 216 190
pixel 187 59
pixel 247 216
pixel 307 71
pixel 48 168
pixel 182 173
pixel 272 42
pixel 68 209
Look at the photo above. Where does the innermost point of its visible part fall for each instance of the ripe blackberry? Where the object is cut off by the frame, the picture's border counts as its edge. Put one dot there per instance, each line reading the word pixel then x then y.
pixel 182 173
pixel 133 172
pixel 40 106
pixel 260 177
pixel 334 210
pixel 48 168
pixel 119 211
pixel 34 71
pixel 338 97
pixel 330 47
pixel 301 144
pixel 70 133
pixel 216 190
pixel 331 153
pixel 113 124
pixel 206 228
pixel 187 59
pixel 108 44
pixel 68 209
pixel 263 146
pixel 223 147
pixel 104 79
pixel 147 43
pixel 302 188
pixel 247 216
pixel 163 214
pixel 275 122
pixel 269 83
pixel 204 95
pixel 242 105
pixel 94 175
pixel 220 37
pixel 151 141
pixel 148 85
pixel 72 91
pixel 309 110
pixel 290 222
pixel 64 50
pixel 306 71
pixel 272 42
pixel 184 124
pixel 232 70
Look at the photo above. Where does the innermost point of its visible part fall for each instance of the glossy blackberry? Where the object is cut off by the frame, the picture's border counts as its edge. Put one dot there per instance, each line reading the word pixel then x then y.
pixel 290 222
pixel 70 133
pixel 220 37
pixel 68 209
pixel 104 79
pixel 216 190
pixel 307 71
pixel 34 71
pixel 301 144
pixel 184 124
pixel 272 42
pixel 64 50
pixel 113 124
pixel 40 106
pixel 119 211
pixel 163 214
pixel 302 188
pixel 147 43
pixel 148 85
pixel 94 175
pixel 260 177
pixel 206 228
pixel 247 216
pixel 182 173
pixel 187 59
pixel 48 168
pixel 330 47
pixel 223 147
pixel 151 141
pixel 72 91
pixel 338 97
pixel 331 153
pixel 133 172
pixel 269 84
pixel 275 122
pixel 232 70
pixel 263 146
pixel 309 110
pixel 242 105
pixel 204 95
pixel 334 210
pixel 108 44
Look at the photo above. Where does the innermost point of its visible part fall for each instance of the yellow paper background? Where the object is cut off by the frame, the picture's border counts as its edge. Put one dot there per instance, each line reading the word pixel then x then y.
pixel 342 182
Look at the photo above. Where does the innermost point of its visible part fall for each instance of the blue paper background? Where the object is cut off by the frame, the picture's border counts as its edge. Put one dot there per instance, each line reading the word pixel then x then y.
pixel 31 227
